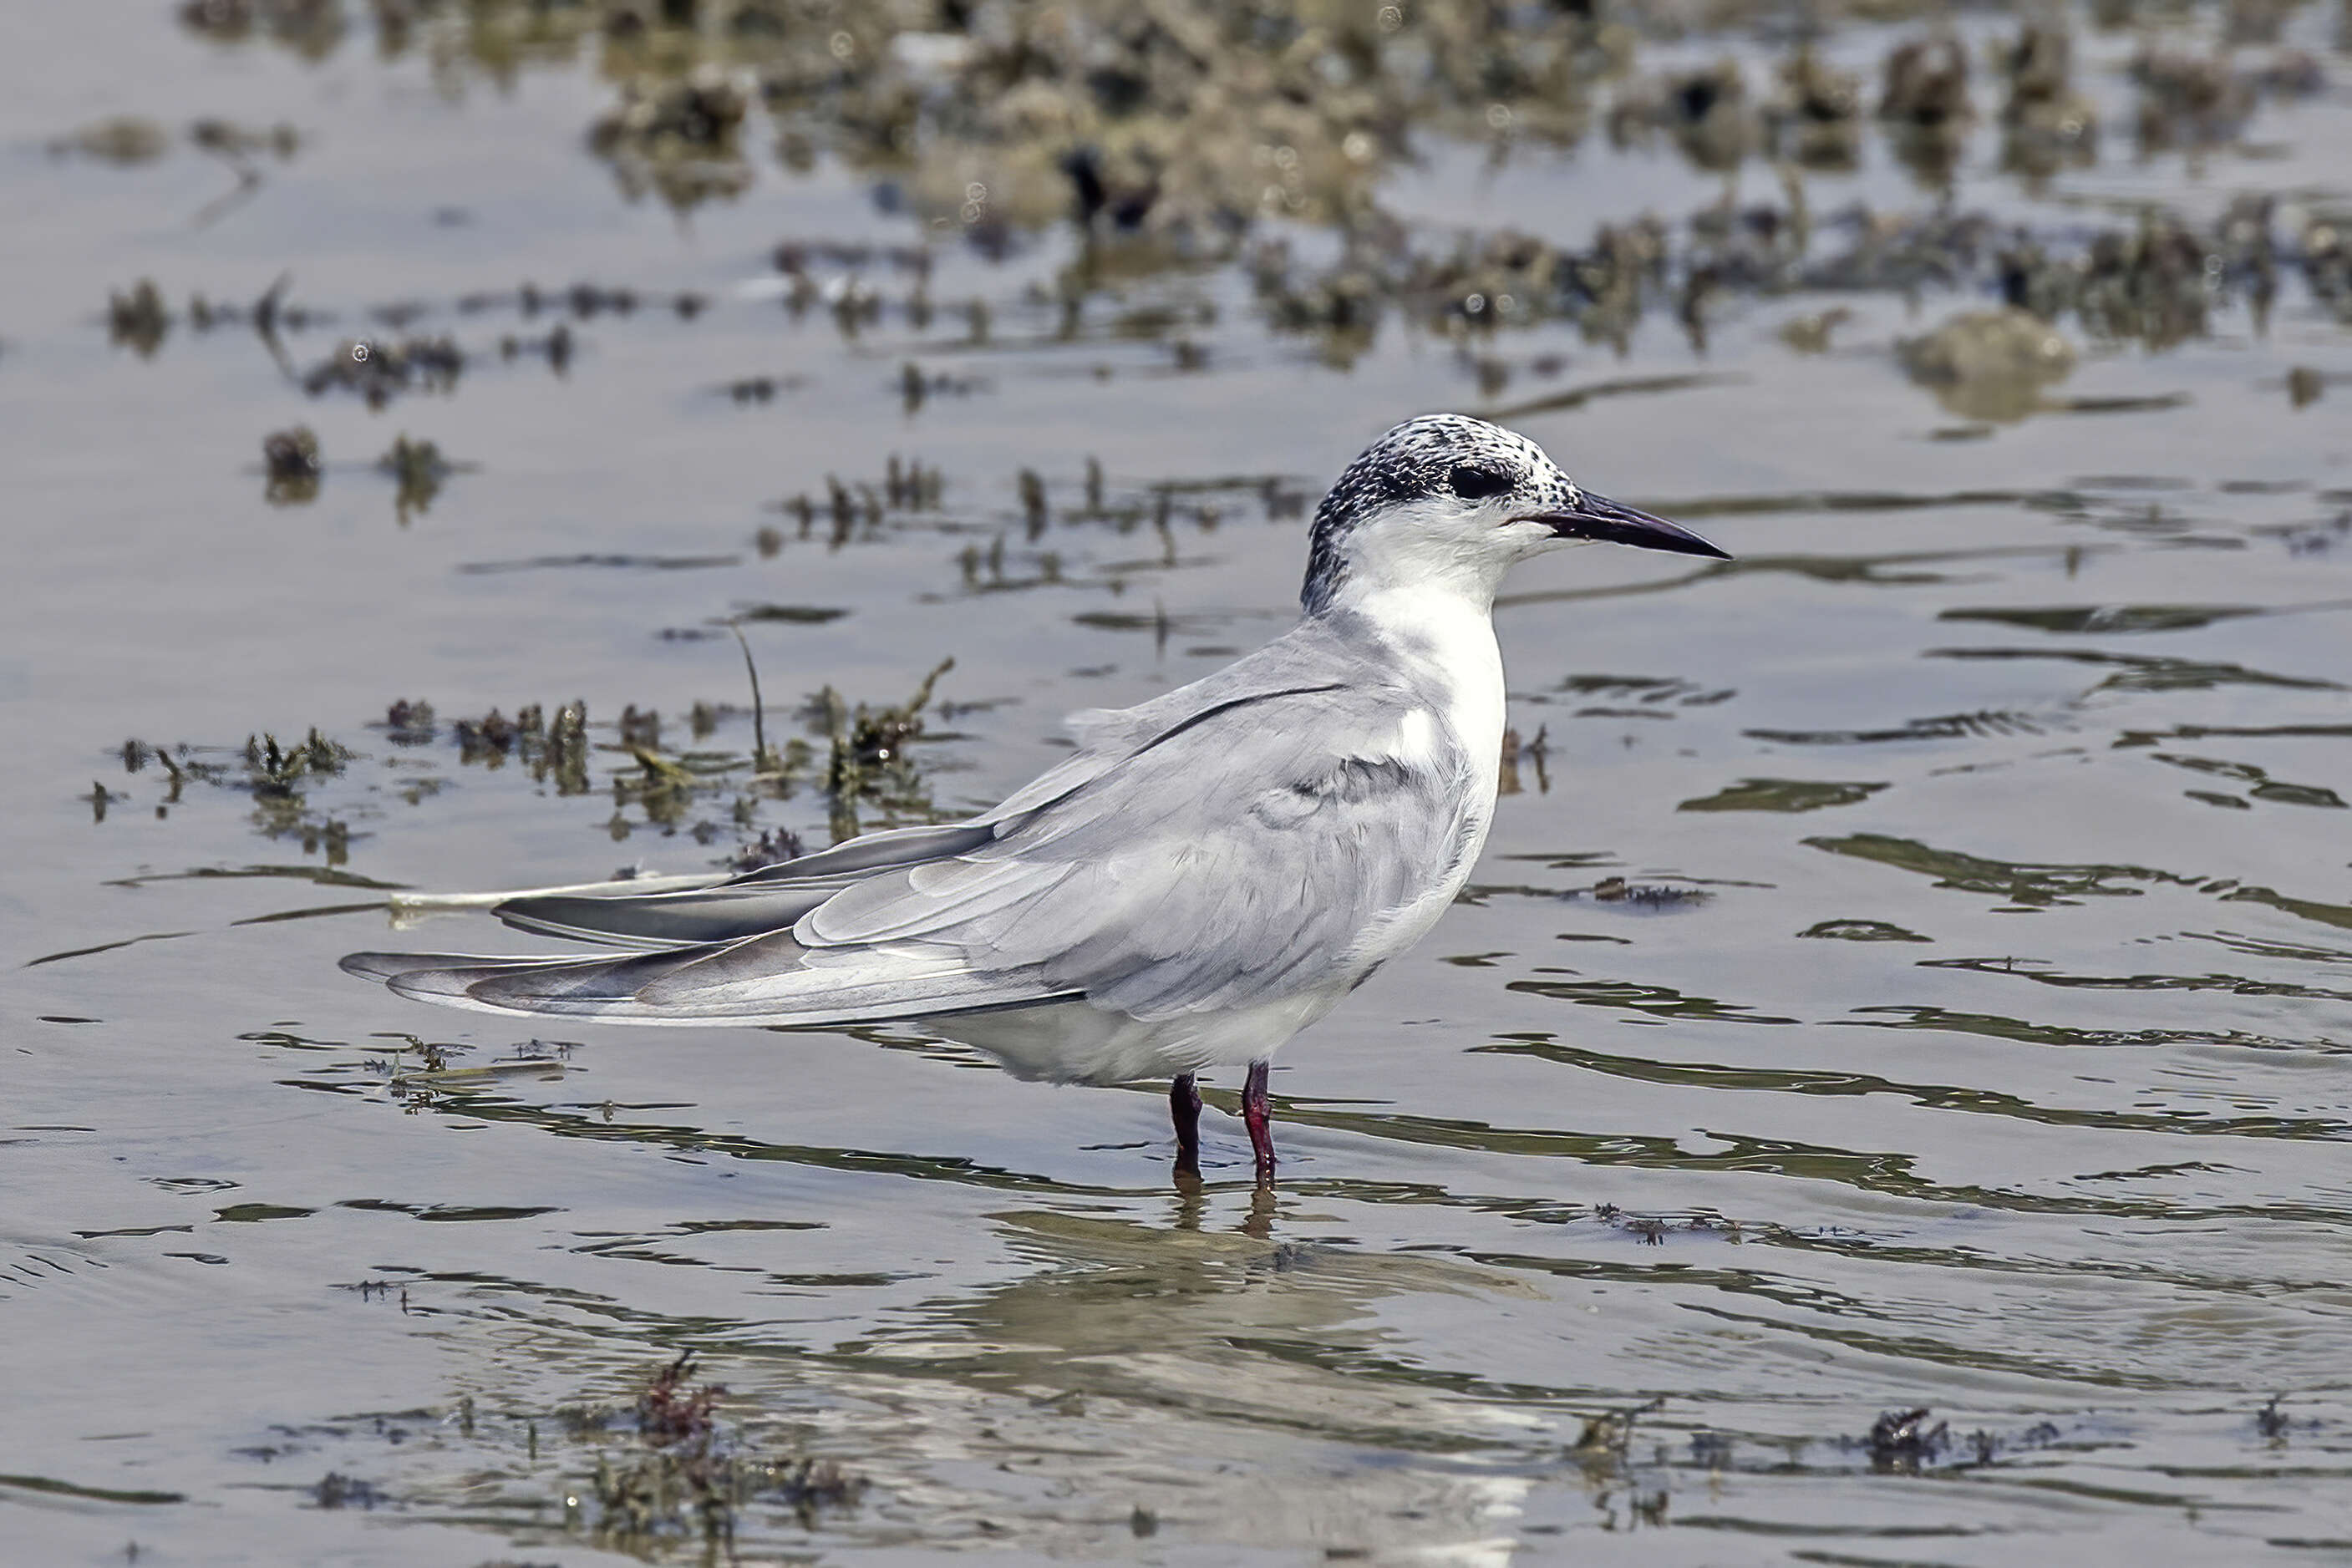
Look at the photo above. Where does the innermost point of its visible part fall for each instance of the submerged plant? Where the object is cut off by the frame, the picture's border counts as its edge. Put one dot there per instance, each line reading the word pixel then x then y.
pixel 866 753
pixel 687 1476
pixel 291 459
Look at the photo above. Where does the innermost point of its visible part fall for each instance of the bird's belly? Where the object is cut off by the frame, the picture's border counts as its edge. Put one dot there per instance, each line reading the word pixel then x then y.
pixel 1077 1042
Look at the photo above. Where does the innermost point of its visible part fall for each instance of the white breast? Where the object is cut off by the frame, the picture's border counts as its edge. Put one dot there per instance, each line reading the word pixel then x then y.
pixel 1451 639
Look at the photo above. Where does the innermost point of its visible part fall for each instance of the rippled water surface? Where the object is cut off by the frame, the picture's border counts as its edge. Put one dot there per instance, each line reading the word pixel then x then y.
pixel 1912 969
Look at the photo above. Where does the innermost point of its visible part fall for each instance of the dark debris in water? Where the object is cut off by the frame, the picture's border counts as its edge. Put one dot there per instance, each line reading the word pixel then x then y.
pixel 857 508
pixel 1189 129
pixel 310 27
pixel 773 846
pixel 1911 1442
pixel 1988 364
pixel 676 136
pixel 139 318
pixel 1861 931
pixel 1903 1442
pixel 856 756
pixel 275 776
pixel 661 1471
pixel 289 460
pixel 1648 898
pixel 2159 282
pixel 336 1489
pixel 419 470
pixel 867 757
pixel 687 1476
pixel 1608 1438
pixel 379 371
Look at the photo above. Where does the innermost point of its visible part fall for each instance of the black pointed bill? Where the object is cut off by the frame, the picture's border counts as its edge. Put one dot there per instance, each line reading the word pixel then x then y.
pixel 1612 522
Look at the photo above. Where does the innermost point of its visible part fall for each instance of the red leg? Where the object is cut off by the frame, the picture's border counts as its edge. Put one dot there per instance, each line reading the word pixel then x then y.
pixel 1184 1110
pixel 1259 1118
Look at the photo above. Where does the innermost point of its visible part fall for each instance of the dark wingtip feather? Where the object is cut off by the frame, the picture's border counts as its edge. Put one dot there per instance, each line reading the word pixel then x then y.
pixel 379 967
pixel 388 968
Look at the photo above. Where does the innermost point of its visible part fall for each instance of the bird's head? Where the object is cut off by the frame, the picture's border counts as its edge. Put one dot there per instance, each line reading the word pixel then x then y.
pixel 1452 503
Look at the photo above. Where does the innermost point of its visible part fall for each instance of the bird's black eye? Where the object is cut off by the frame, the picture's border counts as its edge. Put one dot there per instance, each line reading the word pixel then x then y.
pixel 1477 483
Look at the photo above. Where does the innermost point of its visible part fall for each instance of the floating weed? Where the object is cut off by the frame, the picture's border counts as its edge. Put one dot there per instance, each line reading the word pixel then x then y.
pixel 409 722
pixel 866 760
pixel 123 141
pixel 489 738
pixel 419 469
pixel 687 1476
pixel 714 795
pixel 709 792
pixel 858 509
pixel 1536 752
pixel 773 846
pixel 379 371
pixel 556 346
pixel 291 460
pixel 139 318
pixel 275 775
pixel 663 1471
pixel 916 387
pixel 1645 897
pixel 676 137
pixel 1901 1442
pixel 1104 125
pixel 336 1489
pixel 1604 1443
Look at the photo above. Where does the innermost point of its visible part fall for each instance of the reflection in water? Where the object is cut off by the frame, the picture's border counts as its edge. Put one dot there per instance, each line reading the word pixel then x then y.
pixel 1189 1352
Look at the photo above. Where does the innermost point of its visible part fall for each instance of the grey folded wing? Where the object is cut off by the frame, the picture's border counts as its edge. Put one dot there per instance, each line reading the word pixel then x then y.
pixel 1212 856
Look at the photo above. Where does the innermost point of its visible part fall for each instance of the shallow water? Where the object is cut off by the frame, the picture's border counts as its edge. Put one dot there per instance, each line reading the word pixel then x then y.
pixel 1986 899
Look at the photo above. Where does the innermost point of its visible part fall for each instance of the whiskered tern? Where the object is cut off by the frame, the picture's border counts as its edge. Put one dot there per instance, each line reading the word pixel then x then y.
pixel 1210 872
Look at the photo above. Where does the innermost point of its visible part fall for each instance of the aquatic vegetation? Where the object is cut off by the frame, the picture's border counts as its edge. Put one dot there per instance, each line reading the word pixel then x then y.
pixel 1988 364
pixel 1924 105
pixel 125 138
pixel 859 756
pixel 278 779
pixel 1706 112
pixel 139 317
pixel 687 1476
pixel 310 27
pixel 867 757
pixel 1217 131
pixel 857 508
pixel 1902 1442
pixel 419 470
pixel 1815 117
pixel 291 460
pixel 2046 123
pixel 676 136
pixel 379 371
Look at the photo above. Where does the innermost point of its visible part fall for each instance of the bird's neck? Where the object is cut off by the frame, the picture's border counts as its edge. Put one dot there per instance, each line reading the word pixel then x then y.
pixel 1439 614
pixel 1445 642
pixel 1402 559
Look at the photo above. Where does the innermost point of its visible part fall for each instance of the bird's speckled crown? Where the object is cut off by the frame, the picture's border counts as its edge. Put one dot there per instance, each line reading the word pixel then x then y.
pixel 1416 462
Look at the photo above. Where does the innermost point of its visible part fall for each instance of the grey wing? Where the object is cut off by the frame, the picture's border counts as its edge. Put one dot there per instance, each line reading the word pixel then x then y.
pixel 1248 855
pixel 772 897
pixel 1228 842
pixel 768 899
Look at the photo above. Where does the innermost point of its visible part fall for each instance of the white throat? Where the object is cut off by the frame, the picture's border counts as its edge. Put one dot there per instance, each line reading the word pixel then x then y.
pixel 1424 552
pixel 1448 636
